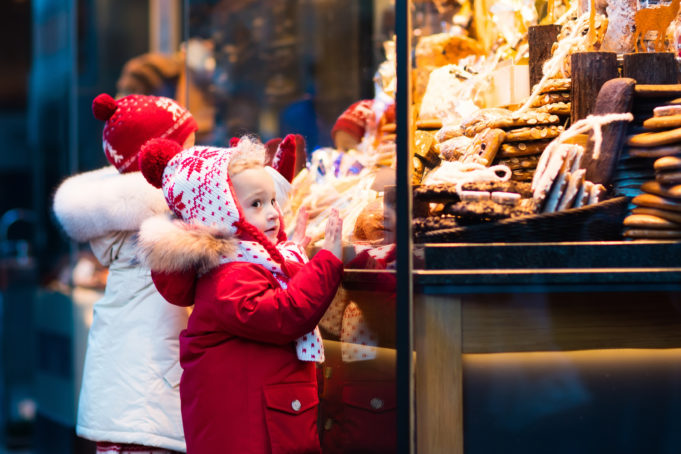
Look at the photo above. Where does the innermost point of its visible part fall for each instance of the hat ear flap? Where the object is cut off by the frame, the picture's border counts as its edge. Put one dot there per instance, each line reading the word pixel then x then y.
pixel 301 154
pixel 271 147
pixel 284 160
pixel 153 158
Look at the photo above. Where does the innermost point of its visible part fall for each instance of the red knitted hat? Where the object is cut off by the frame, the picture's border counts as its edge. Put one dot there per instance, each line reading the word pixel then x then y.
pixel 354 119
pixel 197 186
pixel 131 121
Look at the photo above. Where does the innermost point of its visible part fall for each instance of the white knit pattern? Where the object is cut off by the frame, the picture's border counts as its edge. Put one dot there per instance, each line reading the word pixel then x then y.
pixel 196 187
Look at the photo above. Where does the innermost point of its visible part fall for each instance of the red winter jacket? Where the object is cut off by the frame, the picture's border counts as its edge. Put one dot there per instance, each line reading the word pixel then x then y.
pixel 243 388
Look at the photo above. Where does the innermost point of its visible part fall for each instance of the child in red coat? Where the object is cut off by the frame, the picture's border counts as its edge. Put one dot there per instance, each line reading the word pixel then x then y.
pixel 250 347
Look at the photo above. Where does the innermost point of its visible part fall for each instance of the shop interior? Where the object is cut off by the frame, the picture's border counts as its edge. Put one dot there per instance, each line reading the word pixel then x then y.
pixel 511 229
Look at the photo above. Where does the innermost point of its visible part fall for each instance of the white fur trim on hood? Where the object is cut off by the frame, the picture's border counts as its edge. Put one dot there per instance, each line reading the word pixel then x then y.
pixel 170 246
pixel 92 204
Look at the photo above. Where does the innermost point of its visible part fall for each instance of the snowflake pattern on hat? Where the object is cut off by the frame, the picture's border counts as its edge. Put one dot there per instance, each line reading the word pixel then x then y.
pixel 133 120
pixel 198 190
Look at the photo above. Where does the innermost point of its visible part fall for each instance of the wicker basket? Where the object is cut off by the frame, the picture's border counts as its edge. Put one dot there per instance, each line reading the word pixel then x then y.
pixel 599 222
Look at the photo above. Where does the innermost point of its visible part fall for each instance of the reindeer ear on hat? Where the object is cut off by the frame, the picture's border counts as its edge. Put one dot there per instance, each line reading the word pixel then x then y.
pixel 271 147
pixel 153 158
pixel 284 160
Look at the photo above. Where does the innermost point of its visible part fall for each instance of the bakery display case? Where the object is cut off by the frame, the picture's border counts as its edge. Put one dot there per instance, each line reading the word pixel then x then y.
pixel 546 320
pixel 507 175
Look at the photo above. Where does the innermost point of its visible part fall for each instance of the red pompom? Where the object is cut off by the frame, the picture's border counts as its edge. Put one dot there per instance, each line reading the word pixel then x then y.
pixel 103 107
pixel 153 158
pixel 233 142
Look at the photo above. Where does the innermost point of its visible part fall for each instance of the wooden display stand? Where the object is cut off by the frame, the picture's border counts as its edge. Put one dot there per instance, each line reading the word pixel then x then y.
pixel 590 70
pixel 651 67
pixel 540 39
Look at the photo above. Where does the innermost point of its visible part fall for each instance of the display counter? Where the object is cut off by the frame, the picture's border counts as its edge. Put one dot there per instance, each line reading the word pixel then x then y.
pixel 558 347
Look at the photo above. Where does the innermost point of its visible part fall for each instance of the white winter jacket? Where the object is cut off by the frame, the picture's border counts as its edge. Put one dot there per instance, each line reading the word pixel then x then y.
pixel 130 390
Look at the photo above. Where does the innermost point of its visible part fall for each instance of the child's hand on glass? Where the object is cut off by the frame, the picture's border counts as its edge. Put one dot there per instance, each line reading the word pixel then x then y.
pixel 332 235
pixel 299 237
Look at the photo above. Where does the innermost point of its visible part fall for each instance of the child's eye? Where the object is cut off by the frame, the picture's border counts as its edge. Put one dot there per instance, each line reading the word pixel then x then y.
pixel 274 201
pixel 256 204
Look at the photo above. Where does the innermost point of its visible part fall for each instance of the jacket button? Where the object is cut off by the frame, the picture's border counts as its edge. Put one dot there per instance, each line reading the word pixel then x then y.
pixel 376 403
pixel 328 424
pixel 295 405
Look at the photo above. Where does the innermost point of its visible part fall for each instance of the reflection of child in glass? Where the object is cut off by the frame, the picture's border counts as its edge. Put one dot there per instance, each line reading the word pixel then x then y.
pixel 129 398
pixel 248 353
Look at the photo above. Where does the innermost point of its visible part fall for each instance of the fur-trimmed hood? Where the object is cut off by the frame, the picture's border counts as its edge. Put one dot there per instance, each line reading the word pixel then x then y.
pixel 169 246
pixel 92 204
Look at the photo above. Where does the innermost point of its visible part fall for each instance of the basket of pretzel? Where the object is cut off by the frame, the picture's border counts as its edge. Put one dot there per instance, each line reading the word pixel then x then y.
pixel 561 203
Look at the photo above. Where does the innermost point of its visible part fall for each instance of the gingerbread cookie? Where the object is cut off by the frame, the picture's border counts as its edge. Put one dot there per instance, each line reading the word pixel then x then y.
pixel 654 201
pixel 551 98
pixel 671 216
pixel 667 164
pixel 522 175
pixel 485 146
pixel 523 189
pixel 455 148
pixel 582 197
pixel 575 183
pixel 434 223
pixel 652 234
pixel 437 192
pixel 648 221
pixel 428 124
pixel 658 91
pixel 670 192
pixel 548 168
pixel 448 132
pixel 556 85
pixel 424 148
pixel 533 133
pixel 516 149
pixel 479 211
pixel 655 139
pixel 389 128
pixel 655 152
pixel 515 120
pixel 596 194
pixel 664 122
pixel 520 162
pixel 663 111
pixel 668 178
pixel 556 108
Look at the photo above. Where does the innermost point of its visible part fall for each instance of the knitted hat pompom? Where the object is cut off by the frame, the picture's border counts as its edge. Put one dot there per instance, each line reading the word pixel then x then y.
pixel 153 158
pixel 103 107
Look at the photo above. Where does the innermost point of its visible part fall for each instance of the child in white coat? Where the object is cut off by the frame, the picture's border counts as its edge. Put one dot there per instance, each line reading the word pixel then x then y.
pixel 129 399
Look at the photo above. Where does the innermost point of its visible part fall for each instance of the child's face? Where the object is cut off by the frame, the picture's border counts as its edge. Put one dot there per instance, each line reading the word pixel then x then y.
pixel 254 189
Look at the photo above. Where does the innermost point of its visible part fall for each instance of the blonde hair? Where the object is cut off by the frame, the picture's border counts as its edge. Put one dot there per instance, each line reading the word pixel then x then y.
pixel 249 154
